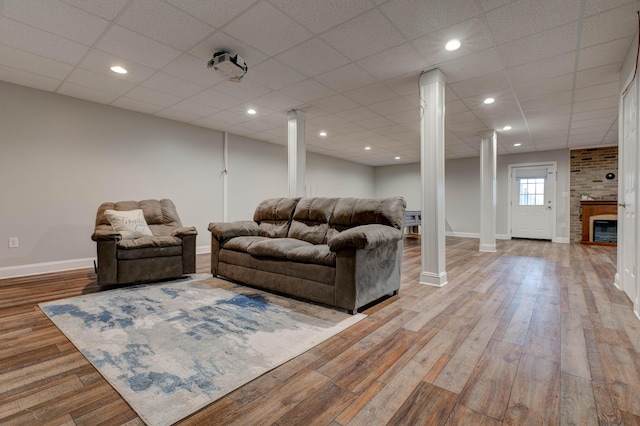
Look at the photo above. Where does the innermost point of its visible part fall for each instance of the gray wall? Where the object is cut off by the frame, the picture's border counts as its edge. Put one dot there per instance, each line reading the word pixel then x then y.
pixel 462 190
pixel 61 157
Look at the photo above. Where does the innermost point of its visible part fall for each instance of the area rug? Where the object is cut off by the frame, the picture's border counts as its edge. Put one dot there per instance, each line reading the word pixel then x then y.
pixel 172 348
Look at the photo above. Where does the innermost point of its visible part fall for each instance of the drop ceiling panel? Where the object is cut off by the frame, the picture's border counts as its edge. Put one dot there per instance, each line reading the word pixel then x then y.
pixel 365 35
pixel 57 18
pixel 267 29
pixel 120 41
pixel 353 66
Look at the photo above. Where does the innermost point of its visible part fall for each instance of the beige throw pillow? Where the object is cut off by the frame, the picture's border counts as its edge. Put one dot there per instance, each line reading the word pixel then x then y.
pixel 129 223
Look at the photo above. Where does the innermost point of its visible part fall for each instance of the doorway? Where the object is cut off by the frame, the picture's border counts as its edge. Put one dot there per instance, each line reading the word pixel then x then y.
pixel 532 200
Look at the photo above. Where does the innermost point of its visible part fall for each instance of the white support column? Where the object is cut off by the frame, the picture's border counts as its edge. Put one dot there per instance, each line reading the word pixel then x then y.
pixel 297 152
pixel 432 171
pixel 488 160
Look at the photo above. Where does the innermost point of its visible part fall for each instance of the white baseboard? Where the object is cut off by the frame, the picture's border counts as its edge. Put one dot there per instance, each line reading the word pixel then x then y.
pixel 475 235
pixel 562 240
pixel 45 267
pixel 60 266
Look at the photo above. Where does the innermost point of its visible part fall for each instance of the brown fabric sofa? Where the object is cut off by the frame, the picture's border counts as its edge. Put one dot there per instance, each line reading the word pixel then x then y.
pixel 344 252
pixel 169 253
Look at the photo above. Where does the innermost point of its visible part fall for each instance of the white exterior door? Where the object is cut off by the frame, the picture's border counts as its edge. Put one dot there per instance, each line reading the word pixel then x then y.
pixel 628 212
pixel 532 202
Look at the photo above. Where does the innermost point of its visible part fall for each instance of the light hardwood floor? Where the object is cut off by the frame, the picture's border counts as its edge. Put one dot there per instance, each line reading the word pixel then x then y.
pixel 533 334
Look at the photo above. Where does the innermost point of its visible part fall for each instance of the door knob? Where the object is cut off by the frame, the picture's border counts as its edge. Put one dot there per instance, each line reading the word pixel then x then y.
pixel 622 204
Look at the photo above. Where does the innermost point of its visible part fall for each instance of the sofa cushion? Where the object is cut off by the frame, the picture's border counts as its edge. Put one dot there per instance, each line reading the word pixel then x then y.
pixel 144 242
pixel 318 254
pixel 275 247
pixel 350 212
pixel 311 219
pixel 145 253
pixel 274 215
pixel 243 243
pixel 129 223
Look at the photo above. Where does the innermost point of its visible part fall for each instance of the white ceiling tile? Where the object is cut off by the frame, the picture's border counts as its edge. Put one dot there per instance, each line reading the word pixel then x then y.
pixel 454 107
pixel 598 75
pixel 539 46
pixel 365 35
pixel 25 61
pixel 244 90
pixel 216 99
pixel 38 42
pixel 375 123
pixel 136 105
pixel 194 70
pixel 215 13
pixel 86 78
pixel 57 18
pixel 402 59
pixel 162 22
pixel 524 17
pixel 417 18
pixel 610 25
pixel 172 85
pixel 549 113
pixel 596 104
pixel 547 101
pixel 274 74
pixel 267 29
pixel 277 101
pixel 122 42
pixel 474 65
pixel 101 63
pixel 320 16
pixel 87 93
pixel 336 103
pixel 371 94
pixel 391 106
pixel 612 52
pixel 194 108
pixel 545 87
pixel 358 114
pixel 345 78
pixel 480 85
pixel 313 57
pixel 597 6
pixel 473 34
pixel 405 117
pixel 105 9
pixel 328 121
pixel 177 115
pixel 308 91
pixel 595 92
pixel 601 125
pixel 25 78
pixel 590 115
pixel 154 97
pixel 551 67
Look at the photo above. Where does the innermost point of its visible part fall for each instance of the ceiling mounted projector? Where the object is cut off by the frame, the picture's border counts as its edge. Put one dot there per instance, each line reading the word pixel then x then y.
pixel 231 66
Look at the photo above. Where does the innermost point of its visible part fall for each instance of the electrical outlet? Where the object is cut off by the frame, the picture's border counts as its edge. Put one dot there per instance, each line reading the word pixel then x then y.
pixel 13 242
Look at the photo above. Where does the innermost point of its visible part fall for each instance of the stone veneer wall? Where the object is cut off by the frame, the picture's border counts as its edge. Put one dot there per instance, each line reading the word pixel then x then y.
pixel 588 168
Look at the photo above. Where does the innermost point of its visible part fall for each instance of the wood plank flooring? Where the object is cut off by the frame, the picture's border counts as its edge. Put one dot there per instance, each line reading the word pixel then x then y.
pixel 535 333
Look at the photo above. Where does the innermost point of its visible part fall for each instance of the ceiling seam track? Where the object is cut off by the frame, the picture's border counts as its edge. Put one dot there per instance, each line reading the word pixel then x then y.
pixel 575 67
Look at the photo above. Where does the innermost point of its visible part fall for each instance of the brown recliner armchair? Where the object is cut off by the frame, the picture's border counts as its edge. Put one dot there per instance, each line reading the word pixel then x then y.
pixel 169 253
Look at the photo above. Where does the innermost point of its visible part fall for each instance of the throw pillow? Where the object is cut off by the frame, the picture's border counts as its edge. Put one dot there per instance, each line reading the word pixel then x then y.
pixel 129 223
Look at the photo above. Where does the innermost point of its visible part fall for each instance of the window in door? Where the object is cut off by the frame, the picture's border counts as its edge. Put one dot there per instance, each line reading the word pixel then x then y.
pixel 531 192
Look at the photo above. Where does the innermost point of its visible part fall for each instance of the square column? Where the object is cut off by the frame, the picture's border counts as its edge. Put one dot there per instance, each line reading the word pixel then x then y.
pixel 297 154
pixel 488 160
pixel 432 171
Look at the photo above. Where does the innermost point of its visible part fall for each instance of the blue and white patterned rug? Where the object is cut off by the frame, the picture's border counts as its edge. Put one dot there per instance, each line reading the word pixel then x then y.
pixel 172 348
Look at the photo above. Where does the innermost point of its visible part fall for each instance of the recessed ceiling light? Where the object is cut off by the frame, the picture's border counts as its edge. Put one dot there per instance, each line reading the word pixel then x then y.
pixel 488 101
pixel 251 111
pixel 323 133
pixel 367 148
pixel 118 69
pixel 506 128
pixel 517 144
pixel 397 158
pixel 452 45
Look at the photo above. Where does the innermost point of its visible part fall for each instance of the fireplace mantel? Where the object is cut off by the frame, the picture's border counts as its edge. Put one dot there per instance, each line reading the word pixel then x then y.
pixel 592 208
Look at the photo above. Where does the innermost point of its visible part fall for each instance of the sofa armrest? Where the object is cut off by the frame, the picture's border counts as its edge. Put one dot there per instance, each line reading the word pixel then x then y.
pixel 183 231
pixel 365 237
pixel 222 231
pixel 106 235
